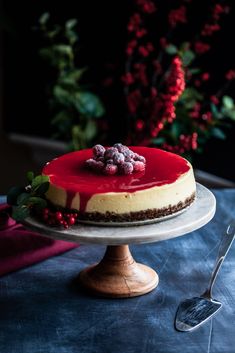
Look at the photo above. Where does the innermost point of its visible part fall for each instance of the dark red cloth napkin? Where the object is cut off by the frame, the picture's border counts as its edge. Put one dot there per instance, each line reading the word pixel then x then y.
pixel 20 247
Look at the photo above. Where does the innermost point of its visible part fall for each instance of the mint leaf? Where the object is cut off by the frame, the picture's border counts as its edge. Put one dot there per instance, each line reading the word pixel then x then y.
pixel 38 180
pixel 23 198
pixel 37 201
pixel 42 189
pixel 19 213
pixel 30 176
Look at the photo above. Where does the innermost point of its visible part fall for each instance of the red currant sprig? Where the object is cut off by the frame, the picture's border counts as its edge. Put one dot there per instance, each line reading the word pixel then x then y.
pixel 59 218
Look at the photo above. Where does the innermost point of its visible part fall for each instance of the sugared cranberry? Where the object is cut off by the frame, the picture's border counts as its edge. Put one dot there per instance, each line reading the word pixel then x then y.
pixel 138 166
pixel 120 147
pixel 99 165
pixel 126 168
pixel 139 158
pixel 109 153
pixel 98 150
pixel 110 169
pixel 128 153
pixel 118 158
pixel 90 163
pixel 110 161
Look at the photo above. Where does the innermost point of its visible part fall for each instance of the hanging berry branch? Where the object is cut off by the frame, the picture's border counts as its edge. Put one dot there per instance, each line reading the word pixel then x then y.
pixel 168 100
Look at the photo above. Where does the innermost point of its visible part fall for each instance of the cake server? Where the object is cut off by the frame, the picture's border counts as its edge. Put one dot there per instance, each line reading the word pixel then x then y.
pixel 194 312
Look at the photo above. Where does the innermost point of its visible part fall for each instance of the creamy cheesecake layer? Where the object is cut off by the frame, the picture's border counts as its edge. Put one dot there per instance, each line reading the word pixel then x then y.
pixel 124 202
pixel 166 186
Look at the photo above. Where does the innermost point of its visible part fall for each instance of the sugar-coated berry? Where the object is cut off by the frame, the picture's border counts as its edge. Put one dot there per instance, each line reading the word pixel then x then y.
pixel 139 158
pixel 98 150
pixel 110 161
pixel 119 146
pixel 90 163
pixel 138 166
pixel 128 153
pixel 109 153
pixel 126 168
pixel 100 159
pixel 110 169
pixel 98 165
pixel 118 158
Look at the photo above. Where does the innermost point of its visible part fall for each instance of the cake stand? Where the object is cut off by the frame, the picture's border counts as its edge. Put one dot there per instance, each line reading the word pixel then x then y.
pixel 118 275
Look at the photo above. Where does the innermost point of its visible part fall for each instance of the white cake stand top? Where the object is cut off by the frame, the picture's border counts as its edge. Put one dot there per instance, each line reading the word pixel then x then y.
pixel 196 216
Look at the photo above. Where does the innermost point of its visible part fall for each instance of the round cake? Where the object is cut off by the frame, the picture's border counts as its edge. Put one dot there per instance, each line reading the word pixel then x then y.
pixel 164 187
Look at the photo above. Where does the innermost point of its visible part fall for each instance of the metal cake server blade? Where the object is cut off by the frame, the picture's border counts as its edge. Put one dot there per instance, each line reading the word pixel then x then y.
pixel 193 312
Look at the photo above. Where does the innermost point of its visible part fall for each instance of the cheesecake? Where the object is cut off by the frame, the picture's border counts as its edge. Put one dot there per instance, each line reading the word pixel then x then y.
pixel 166 185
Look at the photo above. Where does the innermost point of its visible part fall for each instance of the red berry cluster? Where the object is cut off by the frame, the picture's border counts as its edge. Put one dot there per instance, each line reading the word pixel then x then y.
pixel 230 75
pixel 59 218
pixel 186 143
pixel 177 16
pixel 218 10
pixel 146 6
pixel 201 47
pixel 118 159
pixel 209 29
pixel 152 88
pixel 175 85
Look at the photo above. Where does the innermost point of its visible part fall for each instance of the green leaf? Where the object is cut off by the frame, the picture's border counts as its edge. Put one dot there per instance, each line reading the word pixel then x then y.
pixel 90 130
pixel 71 78
pixel 30 176
pixel 20 213
pixel 191 93
pixel 63 96
pixel 187 57
pixel 228 102
pixel 43 19
pixel 218 133
pixel 13 194
pixel 159 141
pixel 195 71
pixel 23 198
pixel 71 23
pixel 38 180
pixel 184 46
pixel 63 49
pixel 37 202
pixel 42 189
pixel 171 49
pixel 88 104
pixel 231 114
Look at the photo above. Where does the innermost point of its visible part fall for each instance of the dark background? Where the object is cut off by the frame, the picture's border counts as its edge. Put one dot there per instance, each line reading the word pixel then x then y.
pixel 102 33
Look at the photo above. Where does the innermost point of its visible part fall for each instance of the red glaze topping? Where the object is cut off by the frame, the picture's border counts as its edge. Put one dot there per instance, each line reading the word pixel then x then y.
pixel 69 172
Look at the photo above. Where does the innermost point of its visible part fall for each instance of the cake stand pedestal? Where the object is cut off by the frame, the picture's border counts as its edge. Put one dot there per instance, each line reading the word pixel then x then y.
pixel 118 275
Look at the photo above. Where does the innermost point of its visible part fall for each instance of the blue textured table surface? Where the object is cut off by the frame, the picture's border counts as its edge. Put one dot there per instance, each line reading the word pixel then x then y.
pixel 42 312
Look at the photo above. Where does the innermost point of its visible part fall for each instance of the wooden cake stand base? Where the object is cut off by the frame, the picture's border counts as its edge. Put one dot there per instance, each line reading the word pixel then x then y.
pixel 118 275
